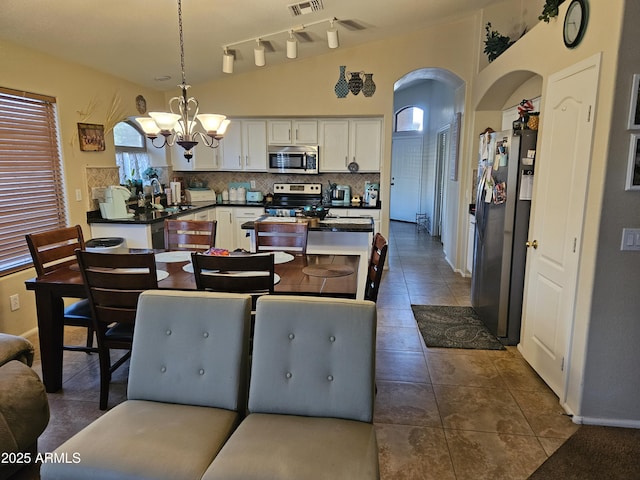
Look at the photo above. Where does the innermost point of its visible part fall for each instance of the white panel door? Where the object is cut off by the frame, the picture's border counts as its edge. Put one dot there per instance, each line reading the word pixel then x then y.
pixel 557 217
pixel 406 178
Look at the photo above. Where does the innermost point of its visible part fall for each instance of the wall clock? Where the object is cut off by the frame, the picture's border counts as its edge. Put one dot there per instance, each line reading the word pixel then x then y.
pixel 575 23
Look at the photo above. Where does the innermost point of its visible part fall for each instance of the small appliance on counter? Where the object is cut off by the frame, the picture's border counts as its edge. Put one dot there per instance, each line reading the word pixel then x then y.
pixel 371 191
pixel 200 195
pixel 341 196
pixel 254 196
pixel 115 202
pixel 107 245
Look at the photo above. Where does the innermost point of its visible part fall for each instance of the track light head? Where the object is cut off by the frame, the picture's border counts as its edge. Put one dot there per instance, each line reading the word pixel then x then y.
pixel 332 35
pixel 258 54
pixel 292 46
pixel 227 61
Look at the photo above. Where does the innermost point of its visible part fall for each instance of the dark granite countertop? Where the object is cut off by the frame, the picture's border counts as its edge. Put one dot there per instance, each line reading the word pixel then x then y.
pixel 154 216
pixel 329 224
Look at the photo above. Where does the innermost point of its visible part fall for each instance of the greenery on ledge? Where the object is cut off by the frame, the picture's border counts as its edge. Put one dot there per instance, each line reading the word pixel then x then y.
pixel 495 43
pixel 550 10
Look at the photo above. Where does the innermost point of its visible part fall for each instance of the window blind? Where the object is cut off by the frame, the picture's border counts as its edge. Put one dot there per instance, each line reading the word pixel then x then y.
pixel 31 183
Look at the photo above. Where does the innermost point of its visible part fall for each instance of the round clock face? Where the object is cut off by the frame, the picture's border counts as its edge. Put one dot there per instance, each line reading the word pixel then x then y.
pixel 575 23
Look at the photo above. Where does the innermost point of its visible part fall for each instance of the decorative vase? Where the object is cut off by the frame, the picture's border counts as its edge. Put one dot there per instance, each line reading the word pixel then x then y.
pixel 342 87
pixel 355 82
pixel 369 86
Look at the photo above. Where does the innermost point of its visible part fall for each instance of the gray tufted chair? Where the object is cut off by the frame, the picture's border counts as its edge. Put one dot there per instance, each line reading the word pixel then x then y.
pixel 311 394
pixel 186 392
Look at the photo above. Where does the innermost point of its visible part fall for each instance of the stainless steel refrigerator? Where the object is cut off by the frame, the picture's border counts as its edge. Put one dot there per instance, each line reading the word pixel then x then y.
pixel 503 204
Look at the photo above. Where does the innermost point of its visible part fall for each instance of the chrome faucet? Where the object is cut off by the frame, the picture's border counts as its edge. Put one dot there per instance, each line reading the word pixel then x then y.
pixel 155 189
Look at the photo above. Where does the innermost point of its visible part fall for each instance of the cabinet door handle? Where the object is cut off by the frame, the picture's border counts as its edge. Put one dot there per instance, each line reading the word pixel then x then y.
pixel 346 161
pixel 240 160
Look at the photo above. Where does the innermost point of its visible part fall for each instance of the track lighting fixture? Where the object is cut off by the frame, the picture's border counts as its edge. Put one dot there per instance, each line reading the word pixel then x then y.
pixel 291 43
pixel 332 35
pixel 227 61
pixel 258 54
pixel 292 46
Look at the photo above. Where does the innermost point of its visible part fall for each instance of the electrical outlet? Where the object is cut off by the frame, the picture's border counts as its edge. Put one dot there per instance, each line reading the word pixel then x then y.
pixel 15 302
pixel 253 184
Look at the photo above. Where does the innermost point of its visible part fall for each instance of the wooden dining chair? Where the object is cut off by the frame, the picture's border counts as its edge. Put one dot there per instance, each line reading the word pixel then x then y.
pixel 194 235
pixel 114 282
pixel 252 274
pixel 282 236
pixel 376 266
pixel 55 249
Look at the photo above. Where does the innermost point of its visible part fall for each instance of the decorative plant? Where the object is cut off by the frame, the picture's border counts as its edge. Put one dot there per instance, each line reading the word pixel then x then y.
pixel 550 10
pixel 495 43
pixel 150 173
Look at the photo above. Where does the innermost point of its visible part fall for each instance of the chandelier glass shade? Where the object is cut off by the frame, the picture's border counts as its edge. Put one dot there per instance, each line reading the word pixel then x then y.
pixel 180 125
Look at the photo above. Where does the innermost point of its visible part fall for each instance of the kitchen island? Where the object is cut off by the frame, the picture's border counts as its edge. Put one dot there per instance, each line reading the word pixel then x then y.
pixel 333 235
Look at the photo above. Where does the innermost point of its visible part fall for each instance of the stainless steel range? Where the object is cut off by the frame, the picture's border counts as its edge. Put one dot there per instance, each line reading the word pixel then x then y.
pixel 290 197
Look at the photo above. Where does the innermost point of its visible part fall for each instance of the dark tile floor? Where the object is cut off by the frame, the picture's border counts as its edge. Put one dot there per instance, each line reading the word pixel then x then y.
pixel 440 413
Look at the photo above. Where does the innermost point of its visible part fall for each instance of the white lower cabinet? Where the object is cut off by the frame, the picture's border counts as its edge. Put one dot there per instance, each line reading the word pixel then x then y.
pixel 242 215
pixel 224 228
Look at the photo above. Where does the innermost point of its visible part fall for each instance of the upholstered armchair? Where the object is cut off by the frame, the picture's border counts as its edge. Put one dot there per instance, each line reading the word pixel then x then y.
pixel 24 409
pixel 311 394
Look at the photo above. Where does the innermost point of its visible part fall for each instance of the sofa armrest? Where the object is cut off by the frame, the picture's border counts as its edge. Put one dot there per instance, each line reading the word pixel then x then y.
pixel 13 347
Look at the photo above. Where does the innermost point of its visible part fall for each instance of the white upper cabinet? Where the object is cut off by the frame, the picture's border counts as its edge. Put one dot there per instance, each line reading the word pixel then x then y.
pixel 244 146
pixel 334 145
pixel 293 132
pixel 347 141
pixel 365 144
pixel 204 158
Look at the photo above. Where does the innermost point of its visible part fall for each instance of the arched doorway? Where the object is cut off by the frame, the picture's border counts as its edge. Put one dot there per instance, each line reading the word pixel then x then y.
pixel 419 157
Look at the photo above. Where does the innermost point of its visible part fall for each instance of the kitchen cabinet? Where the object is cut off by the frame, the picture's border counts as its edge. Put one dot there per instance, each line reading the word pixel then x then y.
pixel 241 215
pixel 365 143
pixel 334 145
pixel 204 159
pixel 225 228
pixel 343 141
pixel 244 147
pixel 292 132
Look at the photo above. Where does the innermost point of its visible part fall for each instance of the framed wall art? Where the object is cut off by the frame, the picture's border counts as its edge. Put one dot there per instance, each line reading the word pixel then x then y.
pixel 633 167
pixel 634 105
pixel 91 137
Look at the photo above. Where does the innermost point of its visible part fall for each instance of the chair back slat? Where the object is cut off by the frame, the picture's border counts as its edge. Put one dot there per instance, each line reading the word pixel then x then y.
pixel 281 236
pixel 54 249
pixel 197 235
pixel 234 274
pixel 114 282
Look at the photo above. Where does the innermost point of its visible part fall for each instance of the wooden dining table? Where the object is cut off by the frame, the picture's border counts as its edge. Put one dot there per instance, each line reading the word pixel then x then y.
pixel 51 289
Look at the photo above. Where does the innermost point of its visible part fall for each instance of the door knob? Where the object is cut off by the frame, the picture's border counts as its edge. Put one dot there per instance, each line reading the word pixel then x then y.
pixel 533 244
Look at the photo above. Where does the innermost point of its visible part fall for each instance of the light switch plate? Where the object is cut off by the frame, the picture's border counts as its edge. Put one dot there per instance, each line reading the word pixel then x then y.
pixel 630 239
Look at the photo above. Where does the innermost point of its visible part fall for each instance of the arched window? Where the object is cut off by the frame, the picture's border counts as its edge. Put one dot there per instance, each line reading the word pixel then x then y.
pixel 131 151
pixel 409 119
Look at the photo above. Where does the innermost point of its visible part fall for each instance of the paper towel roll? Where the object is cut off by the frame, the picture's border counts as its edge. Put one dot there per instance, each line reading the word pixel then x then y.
pixel 175 191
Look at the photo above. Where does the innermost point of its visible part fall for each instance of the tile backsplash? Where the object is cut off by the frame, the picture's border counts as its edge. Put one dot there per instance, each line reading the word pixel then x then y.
pixel 218 181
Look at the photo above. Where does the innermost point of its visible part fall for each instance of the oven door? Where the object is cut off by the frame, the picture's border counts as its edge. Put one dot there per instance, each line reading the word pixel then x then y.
pixel 293 159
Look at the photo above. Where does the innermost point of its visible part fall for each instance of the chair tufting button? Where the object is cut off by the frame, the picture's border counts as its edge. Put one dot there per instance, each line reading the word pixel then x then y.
pixel 163 369
pixel 205 334
pixel 288 375
pixel 291 336
pixel 201 371
pixel 330 378
pixel 168 332
pixel 332 338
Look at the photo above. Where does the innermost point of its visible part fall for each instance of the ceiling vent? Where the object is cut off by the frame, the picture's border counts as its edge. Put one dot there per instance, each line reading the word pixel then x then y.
pixel 303 8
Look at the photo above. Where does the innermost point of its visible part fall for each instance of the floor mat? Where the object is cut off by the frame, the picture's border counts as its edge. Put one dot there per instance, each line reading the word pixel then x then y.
pixel 453 327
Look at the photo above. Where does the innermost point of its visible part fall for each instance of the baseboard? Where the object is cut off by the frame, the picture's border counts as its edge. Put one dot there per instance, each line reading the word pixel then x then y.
pixel 606 422
pixel 33 331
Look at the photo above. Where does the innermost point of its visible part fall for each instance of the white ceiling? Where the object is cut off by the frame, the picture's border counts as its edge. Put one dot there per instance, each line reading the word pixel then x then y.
pixel 138 39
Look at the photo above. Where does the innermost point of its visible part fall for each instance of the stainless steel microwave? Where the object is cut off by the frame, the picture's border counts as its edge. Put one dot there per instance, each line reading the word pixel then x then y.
pixel 301 159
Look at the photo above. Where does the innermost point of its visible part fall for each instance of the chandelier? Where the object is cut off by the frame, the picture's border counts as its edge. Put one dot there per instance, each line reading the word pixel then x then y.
pixel 179 125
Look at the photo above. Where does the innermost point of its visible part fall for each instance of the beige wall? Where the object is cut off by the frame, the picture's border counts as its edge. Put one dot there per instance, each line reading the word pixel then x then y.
pixel 83 95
